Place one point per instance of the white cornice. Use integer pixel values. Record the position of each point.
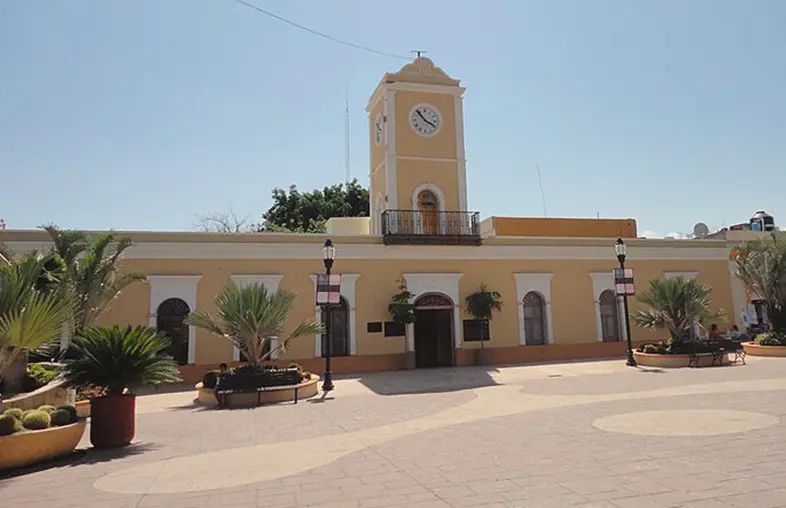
(212, 250)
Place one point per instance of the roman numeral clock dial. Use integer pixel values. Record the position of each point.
(425, 120)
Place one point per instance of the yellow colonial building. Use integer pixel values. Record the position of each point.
(554, 275)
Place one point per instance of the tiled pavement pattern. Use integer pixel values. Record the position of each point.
(514, 437)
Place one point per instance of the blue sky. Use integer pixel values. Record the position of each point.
(140, 114)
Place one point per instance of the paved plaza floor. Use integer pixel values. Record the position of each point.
(592, 434)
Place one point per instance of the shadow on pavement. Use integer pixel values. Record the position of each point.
(82, 457)
(441, 380)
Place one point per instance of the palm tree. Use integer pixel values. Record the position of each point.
(676, 305)
(116, 358)
(251, 317)
(93, 273)
(761, 266)
(33, 306)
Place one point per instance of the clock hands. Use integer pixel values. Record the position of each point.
(424, 118)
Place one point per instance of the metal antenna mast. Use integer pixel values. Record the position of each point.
(347, 175)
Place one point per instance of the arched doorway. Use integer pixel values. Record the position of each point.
(609, 317)
(428, 210)
(434, 331)
(170, 319)
(339, 328)
(534, 319)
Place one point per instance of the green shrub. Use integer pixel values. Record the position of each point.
(60, 417)
(37, 376)
(47, 408)
(769, 339)
(36, 420)
(650, 349)
(8, 424)
(15, 412)
(71, 410)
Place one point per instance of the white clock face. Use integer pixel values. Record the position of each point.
(425, 120)
(378, 129)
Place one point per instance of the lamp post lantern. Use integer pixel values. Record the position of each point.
(328, 255)
(624, 286)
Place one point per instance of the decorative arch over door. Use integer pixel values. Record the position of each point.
(609, 317)
(433, 301)
(534, 319)
(170, 319)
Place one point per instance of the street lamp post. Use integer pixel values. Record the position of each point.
(328, 255)
(620, 249)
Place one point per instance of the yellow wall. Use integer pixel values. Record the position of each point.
(412, 173)
(572, 295)
(565, 228)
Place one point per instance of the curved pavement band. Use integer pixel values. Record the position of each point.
(591, 434)
(198, 472)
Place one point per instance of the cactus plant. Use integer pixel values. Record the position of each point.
(60, 417)
(47, 408)
(36, 420)
(8, 425)
(71, 412)
(15, 412)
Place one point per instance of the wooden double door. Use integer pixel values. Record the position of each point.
(434, 338)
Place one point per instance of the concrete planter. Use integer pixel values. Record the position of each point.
(52, 394)
(668, 361)
(754, 349)
(30, 447)
(306, 389)
(82, 408)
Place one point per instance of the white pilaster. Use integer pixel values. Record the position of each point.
(391, 161)
(184, 287)
(461, 161)
(541, 284)
(270, 282)
(738, 299)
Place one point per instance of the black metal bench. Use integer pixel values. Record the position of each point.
(256, 382)
(717, 357)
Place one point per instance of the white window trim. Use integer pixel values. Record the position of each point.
(348, 283)
(440, 201)
(603, 281)
(445, 283)
(270, 281)
(540, 283)
(184, 287)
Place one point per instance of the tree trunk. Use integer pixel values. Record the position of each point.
(14, 378)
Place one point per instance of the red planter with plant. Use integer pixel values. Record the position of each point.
(111, 362)
(112, 420)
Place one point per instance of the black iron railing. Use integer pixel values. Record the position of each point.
(412, 226)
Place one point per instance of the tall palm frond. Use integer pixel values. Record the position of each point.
(30, 318)
(761, 266)
(675, 305)
(250, 316)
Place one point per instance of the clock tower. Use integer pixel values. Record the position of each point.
(418, 170)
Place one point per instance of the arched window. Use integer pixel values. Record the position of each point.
(170, 319)
(609, 316)
(534, 319)
(433, 300)
(428, 208)
(339, 328)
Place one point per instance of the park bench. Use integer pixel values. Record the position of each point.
(717, 357)
(728, 346)
(256, 382)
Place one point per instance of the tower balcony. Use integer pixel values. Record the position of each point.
(430, 227)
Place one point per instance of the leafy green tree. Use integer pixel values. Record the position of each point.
(675, 305)
(308, 212)
(250, 317)
(761, 266)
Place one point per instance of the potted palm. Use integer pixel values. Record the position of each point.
(481, 305)
(761, 266)
(113, 361)
(402, 312)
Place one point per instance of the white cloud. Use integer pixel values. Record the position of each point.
(650, 234)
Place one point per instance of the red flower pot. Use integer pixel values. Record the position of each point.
(112, 420)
